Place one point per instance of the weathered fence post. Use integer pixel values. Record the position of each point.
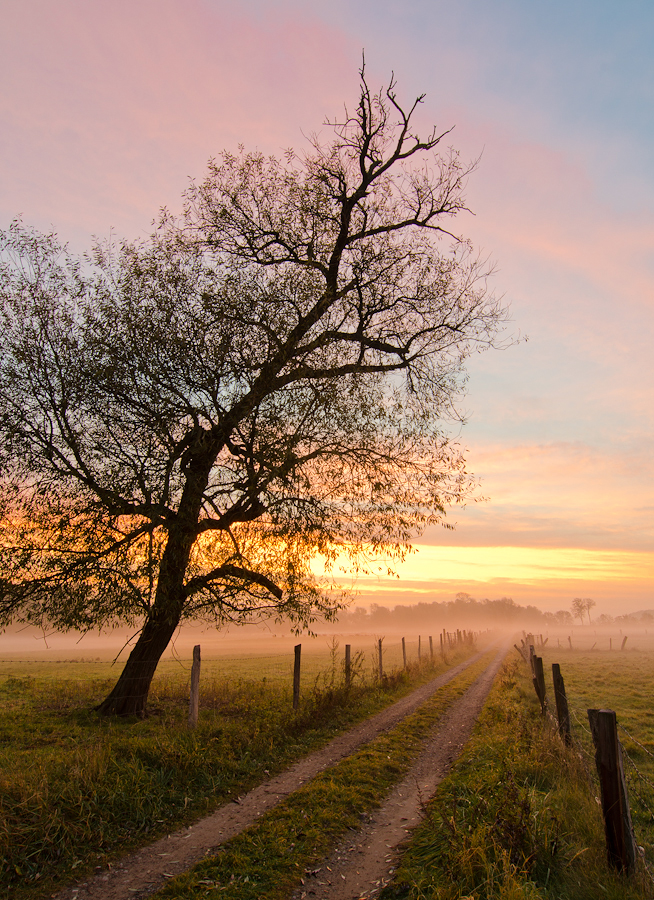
(296, 676)
(431, 648)
(404, 653)
(562, 712)
(624, 641)
(348, 667)
(620, 844)
(381, 663)
(419, 648)
(539, 680)
(194, 699)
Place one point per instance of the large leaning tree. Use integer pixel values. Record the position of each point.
(187, 421)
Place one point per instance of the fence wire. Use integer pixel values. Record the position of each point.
(634, 776)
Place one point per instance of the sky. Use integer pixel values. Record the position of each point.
(107, 110)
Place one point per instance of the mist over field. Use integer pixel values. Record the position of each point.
(363, 625)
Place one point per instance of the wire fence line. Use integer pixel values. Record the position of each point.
(640, 784)
(323, 664)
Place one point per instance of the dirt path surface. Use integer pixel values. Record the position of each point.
(147, 870)
(364, 862)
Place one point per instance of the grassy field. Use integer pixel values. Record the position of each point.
(517, 817)
(624, 682)
(77, 790)
(266, 660)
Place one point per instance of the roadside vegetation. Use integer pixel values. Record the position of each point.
(267, 860)
(621, 681)
(516, 818)
(78, 789)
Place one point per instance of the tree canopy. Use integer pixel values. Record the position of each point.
(188, 420)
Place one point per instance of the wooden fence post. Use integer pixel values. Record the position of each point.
(419, 648)
(348, 667)
(539, 680)
(620, 844)
(381, 663)
(404, 652)
(431, 648)
(562, 712)
(296, 676)
(194, 699)
(624, 641)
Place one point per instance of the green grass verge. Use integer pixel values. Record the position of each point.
(622, 681)
(77, 790)
(268, 860)
(515, 819)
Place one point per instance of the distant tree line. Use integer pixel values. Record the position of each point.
(465, 611)
(460, 611)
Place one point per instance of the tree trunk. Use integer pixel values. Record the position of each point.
(129, 696)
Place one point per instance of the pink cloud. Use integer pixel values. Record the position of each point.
(538, 204)
(558, 494)
(109, 108)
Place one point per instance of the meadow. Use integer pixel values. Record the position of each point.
(517, 817)
(621, 680)
(77, 790)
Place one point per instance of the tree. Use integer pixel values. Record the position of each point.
(578, 608)
(563, 617)
(581, 607)
(187, 421)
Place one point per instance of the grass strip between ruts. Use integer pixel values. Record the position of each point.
(268, 860)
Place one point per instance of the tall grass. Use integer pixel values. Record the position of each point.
(76, 790)
(624, 682)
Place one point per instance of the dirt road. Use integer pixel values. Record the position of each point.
(362, 865)
(145, 871)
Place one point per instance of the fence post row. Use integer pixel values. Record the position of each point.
(562, 712)
(620, 844)
(194, 699)
(618, 828)
(296, 676)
